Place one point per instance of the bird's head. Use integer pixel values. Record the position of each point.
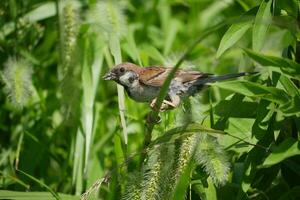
(125, 74)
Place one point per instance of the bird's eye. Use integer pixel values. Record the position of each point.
(122, 70)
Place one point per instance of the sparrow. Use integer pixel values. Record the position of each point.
(142, 84)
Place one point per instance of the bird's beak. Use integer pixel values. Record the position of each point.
(110, 76)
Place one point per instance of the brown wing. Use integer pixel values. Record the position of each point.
(187, 76)
(155, 75)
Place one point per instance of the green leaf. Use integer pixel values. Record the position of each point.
(118, 149)
(288, 148)
(238, 128)
(253, 158)
(261, 25)
(289, 86)
(292, 107)
(114, 46)
(53, 193)
(243, 109)
(210, 190)
(78, 152)
(232, 35)
(255, 90)
(87, 117)
(286, 66)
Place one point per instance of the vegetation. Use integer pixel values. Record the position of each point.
(67, 134)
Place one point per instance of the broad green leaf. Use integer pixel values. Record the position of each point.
(232, 35)
(288, 148)
(254, 90)
(261, 25)
(239, 135)
(264, 114)
(292, 107)
(287, 66)
(243, 109)
(289, 86)
(15, 195)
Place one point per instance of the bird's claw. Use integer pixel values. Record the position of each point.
(166, 105)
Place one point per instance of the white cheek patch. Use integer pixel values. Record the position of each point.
(124, 79)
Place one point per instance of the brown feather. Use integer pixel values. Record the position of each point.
(155, 76)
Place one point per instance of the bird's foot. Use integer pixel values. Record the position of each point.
(166, 105)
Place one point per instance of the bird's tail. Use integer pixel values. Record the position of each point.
(201, 82)
(228, 76)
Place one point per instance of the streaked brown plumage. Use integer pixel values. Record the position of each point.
(143, 84)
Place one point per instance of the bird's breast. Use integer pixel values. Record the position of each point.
(142, 93)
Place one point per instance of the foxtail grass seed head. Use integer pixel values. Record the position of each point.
(18, 83)
(69, 30)
(152, 175)
(107, 17)
(213, 157)
(133, 189)
(183, 153)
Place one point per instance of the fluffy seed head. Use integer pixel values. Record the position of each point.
(108, 18)
(213, 158)
(69, 29)
(17, 79)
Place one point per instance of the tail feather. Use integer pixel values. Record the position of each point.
(201, 82)
(228, 76)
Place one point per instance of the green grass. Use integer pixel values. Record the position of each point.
(66, 133)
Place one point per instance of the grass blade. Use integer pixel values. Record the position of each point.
(15, 195)
(55, 195)
(114, 45)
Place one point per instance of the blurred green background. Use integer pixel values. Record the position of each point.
(65, 132)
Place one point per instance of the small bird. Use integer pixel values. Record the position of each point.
(142, 84)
